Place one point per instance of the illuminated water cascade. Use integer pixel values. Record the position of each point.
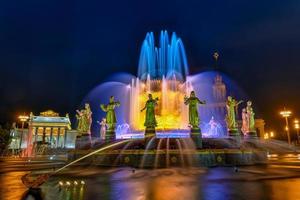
(162, 71)
(166, 60)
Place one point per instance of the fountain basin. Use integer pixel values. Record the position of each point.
(171, 158)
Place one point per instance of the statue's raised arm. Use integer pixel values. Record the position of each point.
(186, 100)
(117, 103)
(103, 107)
(201, 102)
(239, 102)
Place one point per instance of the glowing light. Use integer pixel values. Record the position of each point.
(266, 136)
(167, 59)
(271, 134)
(68, 183)
(23, 118)
(173, 134)
(285, 113)
(171, 113)
(296, 123)
(82, 182)
(60, 183)
(162, 71)
(75, 183)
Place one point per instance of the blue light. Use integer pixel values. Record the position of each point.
(166, 60)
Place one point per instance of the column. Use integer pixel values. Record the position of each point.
(51, 135)
(58, 135)
(65, 140)
(35, 139)
(33, 135)
(36, 134)
(44, 135)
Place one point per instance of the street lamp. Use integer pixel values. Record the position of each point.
(266, 136)
(23, 118)
(297, 127)
(272, 134)
(286, 114)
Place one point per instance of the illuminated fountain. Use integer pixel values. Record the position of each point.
(162, 71)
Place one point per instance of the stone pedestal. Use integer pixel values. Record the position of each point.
(110, 136)
(83, 141)
(251, 135)
(235, 134)
(150, 131)
(78, 142)
(197, 137)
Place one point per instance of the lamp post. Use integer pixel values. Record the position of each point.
(266, 136)
(286, 114)
(297, 127)
(23, 119)
(272, 134)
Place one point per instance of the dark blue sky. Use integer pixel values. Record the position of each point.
(54, 52)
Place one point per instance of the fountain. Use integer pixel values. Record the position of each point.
(175, 142)
(163, 72)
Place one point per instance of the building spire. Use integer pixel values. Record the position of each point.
(216, 57)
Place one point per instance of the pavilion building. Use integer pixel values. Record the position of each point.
(47, 129)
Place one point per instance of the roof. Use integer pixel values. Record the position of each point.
(50, 118)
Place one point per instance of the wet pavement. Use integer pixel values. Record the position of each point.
(280, 179)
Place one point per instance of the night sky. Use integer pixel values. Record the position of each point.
(53, 52)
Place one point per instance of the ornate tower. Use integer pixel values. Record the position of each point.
(219, 89)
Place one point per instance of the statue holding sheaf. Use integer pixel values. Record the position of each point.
(231, 107)
(84, 118)
(111, 119)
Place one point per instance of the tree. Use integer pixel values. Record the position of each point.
(4, 137)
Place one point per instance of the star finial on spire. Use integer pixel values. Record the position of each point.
(216, 56)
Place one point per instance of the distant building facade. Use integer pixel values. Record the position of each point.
(47, 128)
